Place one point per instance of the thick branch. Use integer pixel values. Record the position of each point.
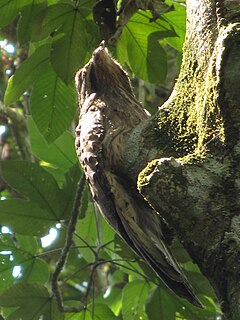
(195, 183)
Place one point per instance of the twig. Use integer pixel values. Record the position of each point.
(65, 251)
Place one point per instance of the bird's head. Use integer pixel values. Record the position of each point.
(102, 75)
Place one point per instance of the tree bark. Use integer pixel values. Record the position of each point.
(193, 178)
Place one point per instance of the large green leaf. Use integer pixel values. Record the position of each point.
(69, 188)
(32, 269)
(134, 297)
(25, 217)
(98, 311)
(49, 20)
(60, 153)
(35, 183)
(53, 104)
(113, 298)
(87, 229)
(140, 48)
(71, 45)
(70, 41)
(28, 16)
(177, 19)
(33, 301)
(26, 74)
(160, 305)
(27, 243)
(9, 9)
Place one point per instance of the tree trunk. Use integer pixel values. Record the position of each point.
(195, 182)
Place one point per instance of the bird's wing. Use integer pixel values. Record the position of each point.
(142, 226)
(122, 205)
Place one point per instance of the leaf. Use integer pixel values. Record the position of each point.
(133, 300)
(60, 153)
(98, 311)
(69, 189)
(177, 19)
(87, 229)
(53, 105)
(25, 217)
(35, 183)
(33, 269)
(139, 46)
(113, 299)
(33, 301)
(6, 262)
(28, 16)
(50, 20)
(9, 9)
(26, 74)
(69, 50)
(27, 243)
(160, 305)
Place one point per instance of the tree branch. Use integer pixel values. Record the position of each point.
(65, 251)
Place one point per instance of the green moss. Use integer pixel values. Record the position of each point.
(143, 175)
(193, 116)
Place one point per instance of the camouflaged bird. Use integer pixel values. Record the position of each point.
(108, 113)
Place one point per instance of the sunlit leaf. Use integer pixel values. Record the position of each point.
(60, 153)
(177, 19)
(97, 311)
(53, 104)
(70, 49)
(25, 217)
(133, 300)
(140, 48)
(159, 305)
(26, 74)
(32, 268)
(35, 183)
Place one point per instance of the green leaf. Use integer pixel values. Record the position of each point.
(6, 262)
(133, 300)
(21, 293)
(177, 19)
(69, 189)
(26, 74)
(87, 229)
(27, 243)
(9, 9)
(139, 47)
(113, 299)
(33, 300)
(50, 20)
(35, 183)
(25, 217)
(70, 48)
(160, 305)
(28, 16)
(33, 269)
(60, 153)
(98, 311)
(53, 105)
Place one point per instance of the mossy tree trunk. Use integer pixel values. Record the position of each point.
(195, 182)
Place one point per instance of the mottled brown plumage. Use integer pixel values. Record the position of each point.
(108, 113)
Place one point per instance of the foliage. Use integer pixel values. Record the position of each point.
(40, 170)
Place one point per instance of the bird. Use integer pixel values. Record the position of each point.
(108, 113)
